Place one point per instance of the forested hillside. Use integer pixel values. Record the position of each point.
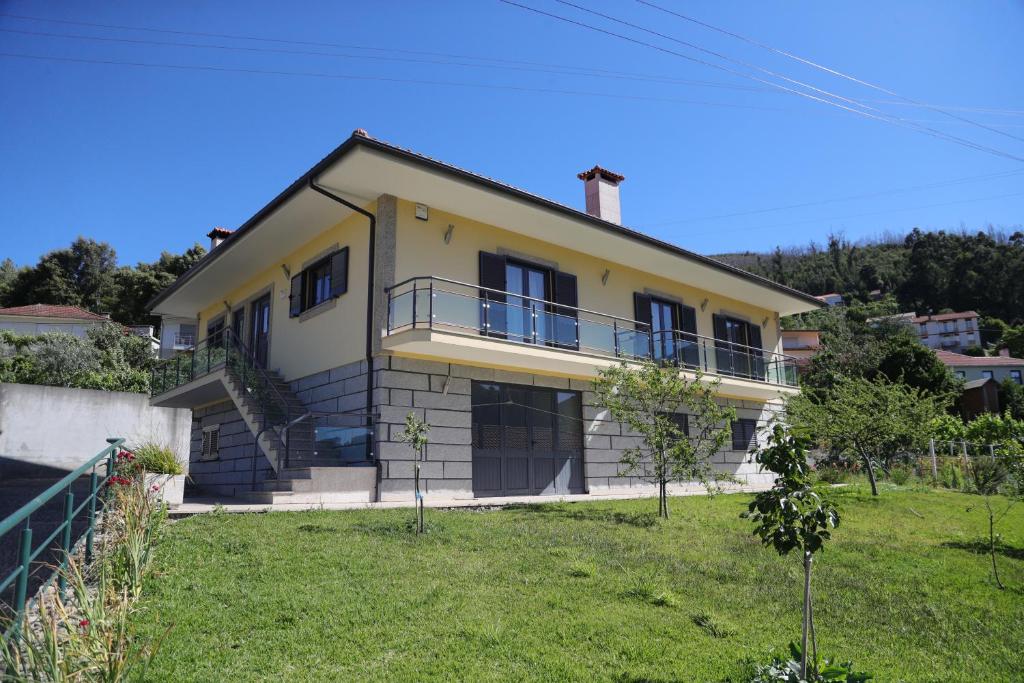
(926, 272)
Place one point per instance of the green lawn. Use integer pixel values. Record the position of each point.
(587, 591)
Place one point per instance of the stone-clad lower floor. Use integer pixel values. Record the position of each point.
(482, 440)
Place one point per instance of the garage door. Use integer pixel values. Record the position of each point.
(526, 440)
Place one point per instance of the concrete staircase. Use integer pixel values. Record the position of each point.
(310, 475)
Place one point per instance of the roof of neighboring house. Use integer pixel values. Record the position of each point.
(51, 311)
(977, 383)
(939, 317)
(360, 137)
(960, 360)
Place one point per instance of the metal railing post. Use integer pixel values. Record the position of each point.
(414, 305)
(430, 306)
(615, 338)
(93, 490)
(65, 539)
(24, 555)
(935, 462)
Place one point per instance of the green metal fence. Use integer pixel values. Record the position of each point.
(29, 551)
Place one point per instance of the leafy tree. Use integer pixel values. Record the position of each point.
(999, 481)
(648, 398)
(793, 515)
(1013, 340)
(871, 420)
(415, 434)
(1011, 398)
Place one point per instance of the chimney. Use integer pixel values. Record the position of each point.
(1005, 353)
(218, 235)
(602, 189)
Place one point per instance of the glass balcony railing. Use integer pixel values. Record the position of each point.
(447, 305)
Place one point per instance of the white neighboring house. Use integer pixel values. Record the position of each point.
(176, 334)
(949, 331)
(42, 318)
(971, 368)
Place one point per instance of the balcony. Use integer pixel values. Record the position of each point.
(184, 341)
(433, 317)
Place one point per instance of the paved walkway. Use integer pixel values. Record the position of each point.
(198, 505)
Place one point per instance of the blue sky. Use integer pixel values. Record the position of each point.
(151, 158)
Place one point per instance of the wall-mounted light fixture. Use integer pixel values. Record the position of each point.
(764, 323)
(604, 276)
(448, 233)
(227, 306)
(422, 212)
(286, 270)
(704, 304)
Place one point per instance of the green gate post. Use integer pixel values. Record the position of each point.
(93, 491)
(21, 590)
(65, 541)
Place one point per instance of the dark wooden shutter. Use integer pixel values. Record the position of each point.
(493, 313)
(757, 369)
(339, 272)
(567, 298)
(642, 343)
(295, 299)
(723, 349)
(690, 348)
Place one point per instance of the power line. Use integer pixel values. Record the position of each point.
(869, 195)
(884, 118)
(356, 77)
(879, 213)
(570, 71)
(826, 69)
(583, 70)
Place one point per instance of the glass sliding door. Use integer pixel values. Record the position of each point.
(527, 318)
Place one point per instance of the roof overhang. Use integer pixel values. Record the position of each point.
(362, 169)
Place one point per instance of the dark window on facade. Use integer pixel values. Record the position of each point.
(738, 349)
(987, 374)
(324, 280)
(215, 331)
(743, 432)
(211, 442)
(681, 420)
(668, 331)
(1015, 376)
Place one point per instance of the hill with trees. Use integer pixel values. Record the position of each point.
(926, 272)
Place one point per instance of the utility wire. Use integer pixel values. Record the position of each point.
(869, 195)
(883, 117)
(237, 48)
(583, 70)
(828, 70)
(355, 77)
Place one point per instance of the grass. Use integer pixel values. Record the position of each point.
(581, 592)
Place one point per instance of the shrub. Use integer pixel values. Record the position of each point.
(155, 458)
(951, 476)
(787, 670)
(832, 475)
(900, 474)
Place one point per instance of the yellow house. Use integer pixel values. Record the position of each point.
(384, 282)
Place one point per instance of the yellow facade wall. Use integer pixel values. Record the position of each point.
(327, 340)
(421, 250)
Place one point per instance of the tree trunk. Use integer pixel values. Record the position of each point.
(662, 499)
(871, 475)
(992, 545)
(419, 502)
(807, 615)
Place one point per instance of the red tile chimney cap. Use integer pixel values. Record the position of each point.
(603, 172)
(219, 232)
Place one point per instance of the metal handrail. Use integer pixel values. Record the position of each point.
(622, 338)
(26, 554)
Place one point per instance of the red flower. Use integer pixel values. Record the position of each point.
(83, 623)
(155, 488)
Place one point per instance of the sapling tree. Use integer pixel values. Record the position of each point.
(998, 479)
(415, 434)
(873, 420)
(793, 515)
(681, 425)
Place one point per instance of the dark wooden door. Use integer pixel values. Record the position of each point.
(260, 338)
(526, 440)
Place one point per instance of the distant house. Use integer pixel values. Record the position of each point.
(41, 318)
(801, 345)
(970, 368)
(949, 331)
(831, 299)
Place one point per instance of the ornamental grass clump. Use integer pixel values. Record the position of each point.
(155, 458)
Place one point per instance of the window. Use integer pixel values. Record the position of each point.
(682, 421)
(738, 349)
(743, 432)
(960, 374)
(322, 281)
(211, 442)
(987, 374)
(215, 331)
(1015, 376)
